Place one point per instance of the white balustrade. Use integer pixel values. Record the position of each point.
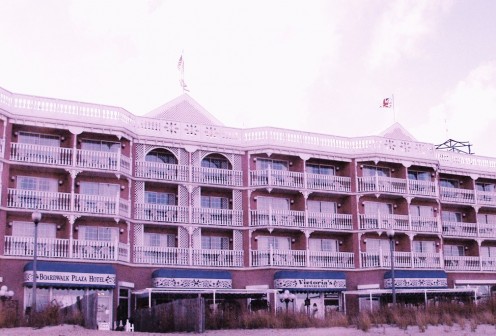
(46, 247)
(40, 154)
(382, 184)
(459, 229)
(217, 258)
(486, 197)
(487, 230)
(223, 217)
(273, 257)
(426, 260)
(159, 255)
(98, 160)
(161, 171)
(401, 259)
(161, 213)
(276, 178)
(41, 200)
(457, 195)
(422, 188)
(277, 218)
(95, 249)
(461, 263)
(334, 221)
(331, 259)
(384, 221)
(97, 204)
(217, 176)
(424, 224)
(328, 182)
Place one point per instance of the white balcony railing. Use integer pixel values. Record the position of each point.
(277, 218)
(424, 224)
(95, 250)
(161, 213)
(487, 230)
(158, 255)
(426, 260)
(162, 171)
(422, 188)
(384, 221)
(276, 178)
(457, 195)
(401, 259)
(328, 182)
(41, 200)
(40, 154)
(331, 259)
(223, 217)
(488, 263)
(322, 220)
(104, 205)
(217, 258)
(217, 176)
(459, 229)
(103, 160)
(462, 263)
(284, 258)
(382, 184)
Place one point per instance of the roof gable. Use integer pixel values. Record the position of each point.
(396, 131)
(184, 109)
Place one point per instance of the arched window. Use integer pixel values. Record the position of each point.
(215, 161)
(161, 156)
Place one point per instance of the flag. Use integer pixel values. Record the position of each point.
(180, 64)
(180, 67)
(387, 103)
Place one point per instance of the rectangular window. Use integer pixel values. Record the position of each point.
(215, 243)
(327, 245)
(421, 246)
(277, 243)
(419, 175)
(219, 163)
(379, 171)
(421, 211)
(152, 197)
(263, 164)
(486, 219)
(448, 183)
(488, 187)
(450, 216)
(454, 250)
(156, 239)
(215, 202)
(100, 146)
(376, 245)
(38, 139)
(488, 251)
(36, 183)
(374, 208)
(274, 203)
(322, 206)
(98, 233)
(313, 168)
(26, 229)
(100, 189)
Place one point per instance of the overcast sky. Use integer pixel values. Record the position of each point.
(318, 66)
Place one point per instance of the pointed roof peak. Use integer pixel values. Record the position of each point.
(396, 131)
(184, 109)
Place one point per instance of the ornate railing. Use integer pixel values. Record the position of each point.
(216, 176)
(223, 217)
(277, 218)
(161, 171)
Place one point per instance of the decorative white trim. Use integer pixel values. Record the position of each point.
(191, 283)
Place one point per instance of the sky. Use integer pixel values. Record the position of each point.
(317, 66)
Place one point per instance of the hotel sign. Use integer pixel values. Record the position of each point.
(310, 283)
(70, 278)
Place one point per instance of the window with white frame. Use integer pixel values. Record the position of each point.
(277, 243)
(159, 239)
(376, 171)
(375, 208)
(377, 245)
(274, 203)
(98, 233)
(161, 156)
(487, 187)
(153, 197)
(26, 229)
(100, 146)
(454, 250)
(38, 139)
(214, 202)
(449, 183)
(215, 243)
(263, 164)
(215, 162)
(313, 168)
(36, 183)
(419, 175)
(421, 210)
(321, 206)
(486, 218)
(100, 189)
(422, 246)
(488, 251)
(324, 245)
(451, 216)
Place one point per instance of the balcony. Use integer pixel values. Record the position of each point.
(333, 221)
(424, 224)
(222, 217)
(462, 263)
(31, 153)
(287, 218)
(62, 248)
(331, 259)
(486, 230)
(401, 259)
(158, 255)
(224, 177)
(382, 184)
(276, 178)
(488, 263)
(457, 195)
(380, 221)
(459, 229)
(328, 182)
(422, 188)
(161, 213)
(162, 171)
(41, 200)
(217, 258)
(102, 205)
(283, 258)
(110, 161)
(486, 197)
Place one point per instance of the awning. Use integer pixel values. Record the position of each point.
(70, 275)
(308, 281)
(415, 279)
(191, 279)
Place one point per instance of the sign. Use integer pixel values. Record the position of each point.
(70, 279)
(192, 283)
(310, 283)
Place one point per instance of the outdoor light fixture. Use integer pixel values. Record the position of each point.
(36, 217)
(5, 293)
(287, 297)
(390, 234)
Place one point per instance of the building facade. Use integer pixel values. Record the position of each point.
(174, 201)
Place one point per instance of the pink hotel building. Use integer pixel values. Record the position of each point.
(173, 202)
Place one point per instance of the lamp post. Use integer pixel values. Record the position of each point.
(5, 293)
(287, 297)
(390, 234)
(36, 217)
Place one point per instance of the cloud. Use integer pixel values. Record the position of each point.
(467, 112)
(402, 28)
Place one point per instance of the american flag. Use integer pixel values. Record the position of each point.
(387, 103)
(180, 64)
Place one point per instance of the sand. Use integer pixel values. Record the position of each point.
(69, 330)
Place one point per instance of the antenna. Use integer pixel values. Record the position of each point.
(451, 145)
